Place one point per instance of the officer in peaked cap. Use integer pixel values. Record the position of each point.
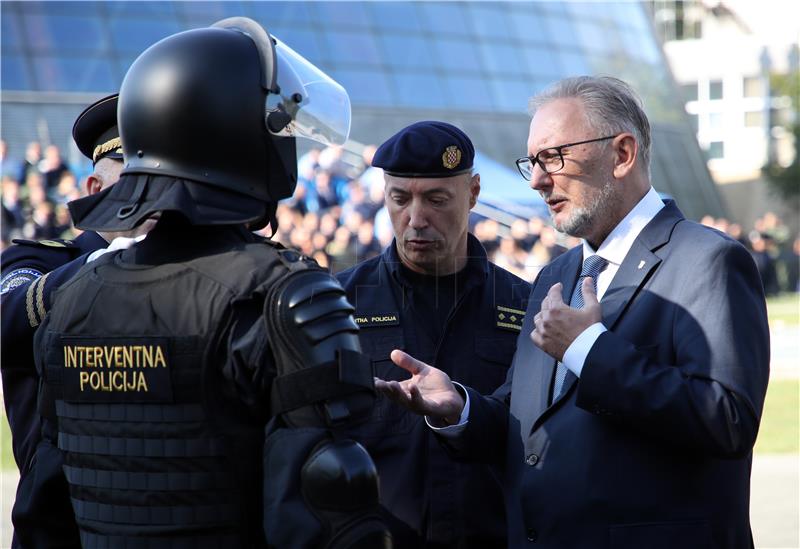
(199, 379)
(434, 294)
(31, 270)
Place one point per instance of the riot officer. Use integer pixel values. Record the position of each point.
(433, 293)
(31, 270)
(200, 379)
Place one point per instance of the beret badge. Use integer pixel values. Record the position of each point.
(451, 157)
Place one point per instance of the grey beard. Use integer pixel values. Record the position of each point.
(582, 219)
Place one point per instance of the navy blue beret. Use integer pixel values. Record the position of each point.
(426, 149)
(95, 131)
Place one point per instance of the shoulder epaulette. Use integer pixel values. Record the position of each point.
(53, 243)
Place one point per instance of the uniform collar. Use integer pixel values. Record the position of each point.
(477, 267)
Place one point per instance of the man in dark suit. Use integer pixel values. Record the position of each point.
(627, 422)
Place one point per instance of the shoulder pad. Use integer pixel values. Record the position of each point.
(54, 243)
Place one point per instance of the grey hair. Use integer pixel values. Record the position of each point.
(612, 106)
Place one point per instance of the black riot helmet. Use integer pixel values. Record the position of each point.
(208, 120)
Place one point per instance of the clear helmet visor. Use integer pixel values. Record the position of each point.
(318, 105)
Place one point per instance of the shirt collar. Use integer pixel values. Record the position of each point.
(617, 244)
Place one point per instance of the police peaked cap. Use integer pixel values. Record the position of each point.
(426, 149)
(95, 131)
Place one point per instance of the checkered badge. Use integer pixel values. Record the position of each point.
(451, 157)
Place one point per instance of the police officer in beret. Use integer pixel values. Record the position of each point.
(433, 293)
(31, 270)
(199, 380)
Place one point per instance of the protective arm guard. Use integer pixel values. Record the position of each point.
(323, 379)
(320, 490)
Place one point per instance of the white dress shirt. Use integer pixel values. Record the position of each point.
(613, 249)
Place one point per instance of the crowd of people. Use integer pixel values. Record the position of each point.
(337, 217)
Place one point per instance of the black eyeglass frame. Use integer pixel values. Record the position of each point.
(535, 159)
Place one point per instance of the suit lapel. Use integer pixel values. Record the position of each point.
(541, 367)
(640, 262)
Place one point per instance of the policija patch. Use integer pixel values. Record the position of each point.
(116, 370)
(380, 319)
(509, 319)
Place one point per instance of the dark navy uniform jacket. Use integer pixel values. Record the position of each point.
(30, 272)
(434, 501)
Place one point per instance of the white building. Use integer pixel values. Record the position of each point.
(721, 54)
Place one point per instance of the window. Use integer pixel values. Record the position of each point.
(348, 47)
(419, 89)
(136, 35)
(14, 73)
(404, 50)
(488, 20)
(715, 89)
(365, 87)
(458, 55)
(716, 149)
(501, 58)
(444, 17)
(753, 86)
(340, 13)
(59, 34)
(689, 91)
(754, 119)
(469, 93)
(715, 120)
(395, 15)
(79, 74)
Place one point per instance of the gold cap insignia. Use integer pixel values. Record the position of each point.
(451, 157)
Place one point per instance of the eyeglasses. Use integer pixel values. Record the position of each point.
(550, 160)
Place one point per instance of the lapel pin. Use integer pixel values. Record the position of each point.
(641, 264)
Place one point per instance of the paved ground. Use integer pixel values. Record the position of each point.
(775, 501)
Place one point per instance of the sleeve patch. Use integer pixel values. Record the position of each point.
(17, 277)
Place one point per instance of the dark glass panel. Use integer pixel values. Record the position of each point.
(64, 33)
(396, 16)
(341, 47)
(468, 93)
(341, 14)
(489, 20)
(403, 50)
(15, 74)
(511, 95)
(136, 35)
(11, 39)
(457, 55)
(502, 58)
(76, 74)
(141, 9)
(444, 17)
(419, 90)
(365, 87)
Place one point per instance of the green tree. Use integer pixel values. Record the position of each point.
(785, 182)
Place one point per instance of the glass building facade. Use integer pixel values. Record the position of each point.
(474, 64)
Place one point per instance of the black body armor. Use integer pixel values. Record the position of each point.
(161, 450)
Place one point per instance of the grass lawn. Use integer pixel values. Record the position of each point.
(784, 309)
(6, 456)
(780, 422)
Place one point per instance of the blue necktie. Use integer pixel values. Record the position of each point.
(592, 266)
